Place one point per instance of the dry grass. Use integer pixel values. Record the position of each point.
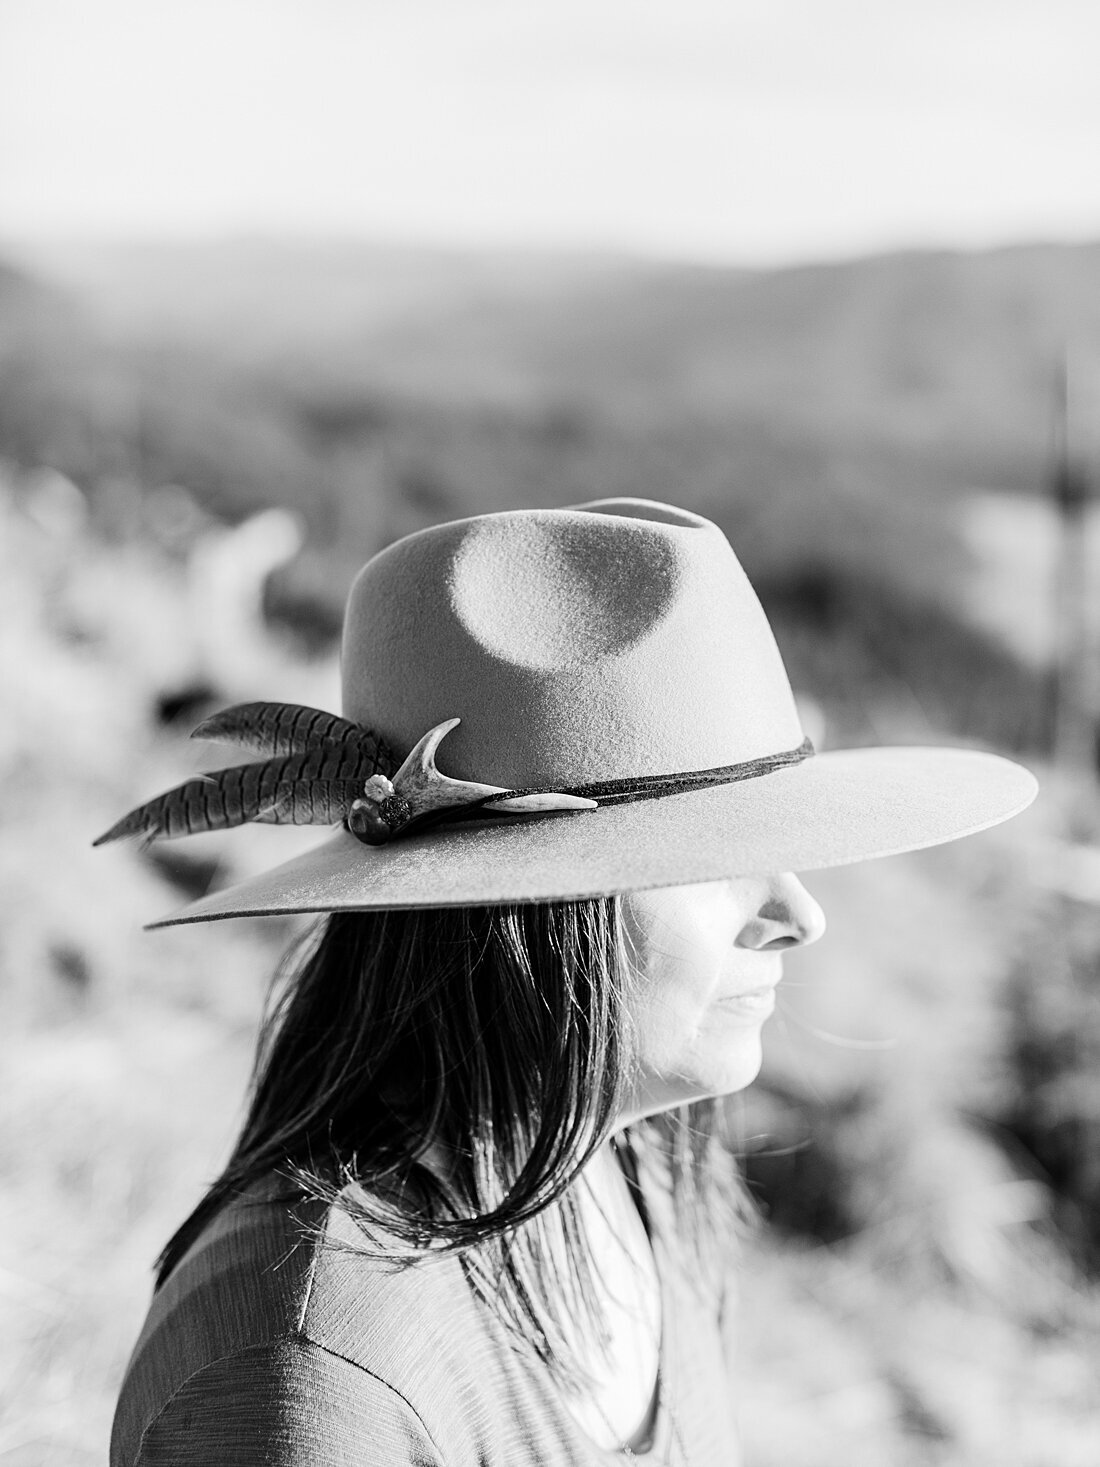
(847, 1360)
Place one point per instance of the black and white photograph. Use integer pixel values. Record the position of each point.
(549, 733)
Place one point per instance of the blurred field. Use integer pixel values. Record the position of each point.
(925, 1137)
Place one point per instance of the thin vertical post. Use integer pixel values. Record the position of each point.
(1074, 696)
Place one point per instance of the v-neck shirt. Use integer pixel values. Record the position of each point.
(279, 1341)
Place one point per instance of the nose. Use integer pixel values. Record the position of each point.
(788, 916)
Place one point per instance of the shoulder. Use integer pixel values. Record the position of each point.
(279, 1309)
(286, 1403)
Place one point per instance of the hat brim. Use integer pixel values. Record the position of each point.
(833, 809)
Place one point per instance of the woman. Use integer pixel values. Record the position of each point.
(478, 1212)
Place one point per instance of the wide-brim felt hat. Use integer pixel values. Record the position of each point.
(617, 651)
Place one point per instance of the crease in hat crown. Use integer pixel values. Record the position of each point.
(611, 640)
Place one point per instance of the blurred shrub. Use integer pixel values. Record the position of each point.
(1050, 1104)
(886, 664)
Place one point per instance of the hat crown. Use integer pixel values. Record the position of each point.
(614, 639)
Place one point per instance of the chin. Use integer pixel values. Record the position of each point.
(726, 1064)
(707, 1078)
(735, 1074)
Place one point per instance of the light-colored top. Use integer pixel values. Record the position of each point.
(277, 1341)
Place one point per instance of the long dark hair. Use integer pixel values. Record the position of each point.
(494, 1039)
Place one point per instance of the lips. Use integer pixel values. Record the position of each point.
(751, 1006)
(760, 991)
(763, 987)
(755, 1002)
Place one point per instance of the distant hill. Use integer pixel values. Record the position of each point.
(255, 295)
(31, 305)
(941, 355)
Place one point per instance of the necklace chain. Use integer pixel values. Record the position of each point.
(627, 1452)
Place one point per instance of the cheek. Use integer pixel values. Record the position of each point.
(670, 1013)
(687, 1044)
(688, 1041)
(706, 1049)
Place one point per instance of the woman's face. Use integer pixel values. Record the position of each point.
(707, 959)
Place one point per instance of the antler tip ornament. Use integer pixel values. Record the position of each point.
(419, 791)
(538, 804)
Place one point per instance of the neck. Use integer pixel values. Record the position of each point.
(622, 1366)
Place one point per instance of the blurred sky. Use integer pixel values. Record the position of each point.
(754, 130)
